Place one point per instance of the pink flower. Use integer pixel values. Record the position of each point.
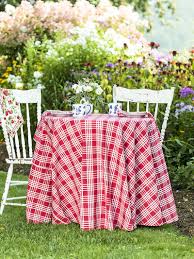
(51, 17)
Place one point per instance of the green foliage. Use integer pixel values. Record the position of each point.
(179, 150)
(62, 63)
(69, 64)
(183, 176)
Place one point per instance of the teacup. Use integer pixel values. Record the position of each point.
(80, 110)
(114, 108)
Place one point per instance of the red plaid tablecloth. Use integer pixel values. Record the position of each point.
(101, 172)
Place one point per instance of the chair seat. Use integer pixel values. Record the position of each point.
(27, 161)
(14, 183)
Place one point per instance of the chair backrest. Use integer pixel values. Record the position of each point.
(16, 146)
(146, 96)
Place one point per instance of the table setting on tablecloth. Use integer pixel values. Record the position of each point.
(100, 171)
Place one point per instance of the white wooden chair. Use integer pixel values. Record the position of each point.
(19, 147)
(147, 97)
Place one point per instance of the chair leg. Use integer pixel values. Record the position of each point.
(6, 190)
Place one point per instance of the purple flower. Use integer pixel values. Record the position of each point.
(110, 65)
(95, 72)
(187, 107)
(180, 104)
(184, 92)
(183, 108)
(129, 77)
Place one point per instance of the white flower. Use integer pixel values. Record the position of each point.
(61, 58)
(37, 74)
(79, 89)
(79, 41)
(14, 79)
(11, 79)
(9, 9)
(37, 43)
(51, 53)
(139, 60)
(19, 85)
(40, 86)
(99, 91)
(87, 88)
(74, 86)
(18, 79)
(23, 29)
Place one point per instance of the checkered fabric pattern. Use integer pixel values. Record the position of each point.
(101, 172)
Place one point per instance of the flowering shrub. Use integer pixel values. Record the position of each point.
(187, 98)
(21, 23)
(182, 107)
(17, 76)
(179, 145)
(146, 7)
(16, 81)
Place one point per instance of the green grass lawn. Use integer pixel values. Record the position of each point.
(21, 240)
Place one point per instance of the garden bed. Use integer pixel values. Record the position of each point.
(185, 209)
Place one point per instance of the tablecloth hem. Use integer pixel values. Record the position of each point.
(130, 228)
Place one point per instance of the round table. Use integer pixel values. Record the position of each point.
(99, 171)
